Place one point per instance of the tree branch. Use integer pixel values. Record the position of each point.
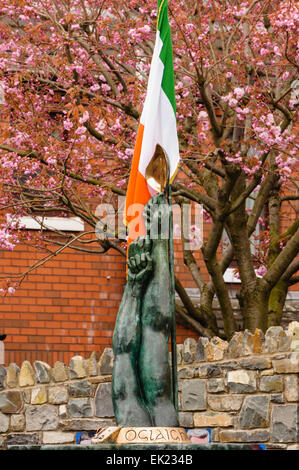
(283, 260)
(180, 190)
(70, 174)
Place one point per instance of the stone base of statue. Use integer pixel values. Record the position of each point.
(140, 435)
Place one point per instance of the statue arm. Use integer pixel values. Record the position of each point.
(126, 336)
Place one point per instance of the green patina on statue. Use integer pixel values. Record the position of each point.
(141, 380)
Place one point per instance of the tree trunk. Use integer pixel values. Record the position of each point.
(253, 302)
(276, 302)
(222, 293)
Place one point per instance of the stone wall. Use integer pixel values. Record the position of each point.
(244, 391)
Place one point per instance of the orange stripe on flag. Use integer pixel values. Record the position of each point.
(137, 193)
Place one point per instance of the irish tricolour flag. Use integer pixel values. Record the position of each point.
(157, 124)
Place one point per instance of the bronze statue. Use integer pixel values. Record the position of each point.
(141, 380)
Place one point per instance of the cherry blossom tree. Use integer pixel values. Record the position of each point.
(74, 74)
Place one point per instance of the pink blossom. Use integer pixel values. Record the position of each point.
(80, 130)
(105, 87)
(187, 79)
(202, 115)
(100, 126)
(52, 182)
(264, 51)
(67, 124)
(189, 27)
(84, 118)
(276, 50)
(134, 34)
(145, 29)
(239, 93)
(233, 102)
(261, 271)
(95, 87)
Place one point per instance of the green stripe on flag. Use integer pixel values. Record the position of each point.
(166, 52)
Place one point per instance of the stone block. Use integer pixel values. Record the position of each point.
(276, 446)
(292, 326)
(105, 364)
(62, 411)
(39, 395)
(26, 394)
(92, 365)
(293, 332)
(212, 419)
(42, 372)
(11, 402)
(235, 346)
(201, 350)
(272, 383)
(276, 339)
(284, 423)
(85, 424)
(4, 422)
(79, 408)
(194, 395)
(291, 391)
(60, 372)
(41, 418)
(241, 381)
(103, 401)
(12, 375)
(229, 365)
(26, 375)
(255, 412)
(186, 372)
(293, 447)
(17, 422)
(287, 365)
(216, 349)
(295, 340)
(189, 348)
(267, 372)
(82, 388)
(276, 398)
(209, 370)
(232, 435)
(225, 402)
(2, 376)
(186, 420)
(255, 363)
(25, 439)
(215, 435)
(216, 385)
(77, 367)
(58, 437)
(57, 395)
(179, 354)
(253, 342)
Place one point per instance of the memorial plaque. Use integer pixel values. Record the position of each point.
(151, 435)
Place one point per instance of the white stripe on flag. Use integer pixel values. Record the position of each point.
(158, 117)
